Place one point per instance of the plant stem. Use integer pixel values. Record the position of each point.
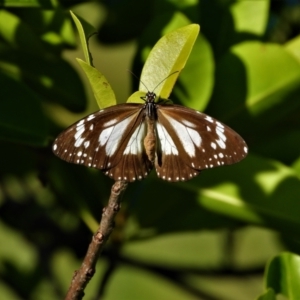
(82, 276)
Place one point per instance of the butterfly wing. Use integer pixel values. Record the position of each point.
(190, 141)
(110, 140)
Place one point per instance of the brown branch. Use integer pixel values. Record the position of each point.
(82, 276)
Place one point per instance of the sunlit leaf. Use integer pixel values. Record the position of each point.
(250, 16)
(168, 55)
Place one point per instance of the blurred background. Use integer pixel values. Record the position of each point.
(212, 238)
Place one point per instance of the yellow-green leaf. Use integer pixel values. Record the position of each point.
(103, 92)
(168, 55)
(85, 30)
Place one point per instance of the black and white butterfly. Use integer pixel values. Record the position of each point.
(125, 141)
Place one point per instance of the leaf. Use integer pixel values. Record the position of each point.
(195, 84)
(103, 92)
(146, 286)
(168, 55)
(283, 275)
(253, 191)
(46, 4)
(18, 34)
(165, 250)
(250, 16)
(180, 210)
(258, 81)
(53, 26)
(234, 22)
(47, 76)
(85, 30)
(268, 295)
(21, 117)
(293, 46)
(136, 97)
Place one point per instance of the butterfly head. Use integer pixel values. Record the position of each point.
(149, 98)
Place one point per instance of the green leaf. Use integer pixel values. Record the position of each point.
(195, 84)
(103, 92)
(234, 22)
(268, 295)
(250, 16)
(180, 209)
(253, 191)
(165, 250)
(296, 166)
(47, 4)
(258, 81)
(18, 34)
(54, 27)
(283, 275)
(85, 30)
(21, 117)
(46, 75)
(168, 55)
(146, 286)
(293, 46)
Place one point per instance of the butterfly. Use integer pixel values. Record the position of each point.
(127, 140)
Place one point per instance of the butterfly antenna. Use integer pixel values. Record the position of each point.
(164, 80)
(157, 84)
(138, 79)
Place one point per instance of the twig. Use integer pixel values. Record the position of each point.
(82, 276)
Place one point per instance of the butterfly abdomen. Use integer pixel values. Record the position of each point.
(150, 139)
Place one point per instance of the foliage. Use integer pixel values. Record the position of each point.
(160, 247)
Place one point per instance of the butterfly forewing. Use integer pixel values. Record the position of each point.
(190, 141)
(110, 140)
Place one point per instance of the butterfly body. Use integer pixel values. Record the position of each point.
(126, 141)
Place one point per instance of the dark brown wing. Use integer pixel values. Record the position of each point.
(190, 141)
(110, 140)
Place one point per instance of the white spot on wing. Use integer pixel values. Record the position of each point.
(220, 125)
(188, 123)
(80, 131)
(221, 144)
(54, 147)
(209, 119)
(196, 138)
(90, 117)
(78, 142)
(80, 123)
(110, 123)
(104, 135)
(187, 136)
(135, 143)
(167, 144)
(220, 134)
(112, 136)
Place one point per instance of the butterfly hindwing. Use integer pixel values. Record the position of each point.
(110, 140)
(190, 141)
